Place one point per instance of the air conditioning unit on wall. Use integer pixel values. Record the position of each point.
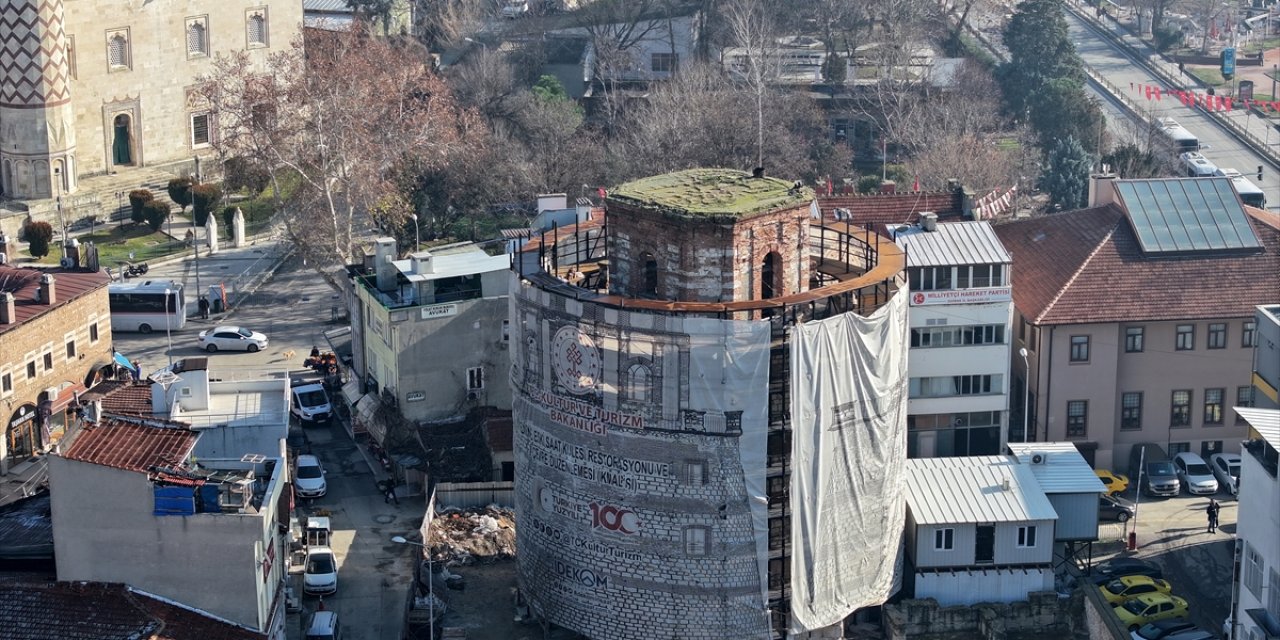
(1039, 457)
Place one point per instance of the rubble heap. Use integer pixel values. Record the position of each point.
(463, 536)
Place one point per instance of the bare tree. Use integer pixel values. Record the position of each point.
(445, 23)
(614, 28)
(961, 134)
(701, 118)
(751, 26)
(335, 120)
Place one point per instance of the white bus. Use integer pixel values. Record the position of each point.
(1249, 192)
(1198, 166)
(150, 305)
(1182, 139)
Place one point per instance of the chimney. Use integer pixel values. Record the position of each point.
(1101, 193)
(8, 315)
(888, 186)
(384, 253)
(422, 262)
(48, 292)
(929, 221)
(71, 248)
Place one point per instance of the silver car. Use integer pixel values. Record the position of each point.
(1226, 467)
(1195, 474)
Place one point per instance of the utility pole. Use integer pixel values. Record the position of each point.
(195, 233)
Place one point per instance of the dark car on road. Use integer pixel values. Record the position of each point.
(1114, 508)
(1117, 567)
(1162, 629)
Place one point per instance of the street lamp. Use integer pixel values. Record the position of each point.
(168, 331)
(195, 231)
(1026, 393)
(417, 235)
(431, 578)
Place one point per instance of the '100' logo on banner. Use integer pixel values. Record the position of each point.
(611, 518)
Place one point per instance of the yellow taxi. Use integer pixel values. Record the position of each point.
(1149, 608)
(1127, 587)
(1114, 482)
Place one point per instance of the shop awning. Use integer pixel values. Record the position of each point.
(123, 361)
(351, 391)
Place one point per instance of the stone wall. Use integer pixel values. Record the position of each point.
(1043, 613)
(50, 333)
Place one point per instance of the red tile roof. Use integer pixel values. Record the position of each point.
(122, 396)
(132, 446)
(1087, 266)
(103, 611)
(880, 209)
(23, 282)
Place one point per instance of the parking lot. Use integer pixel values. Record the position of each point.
(1173, 532)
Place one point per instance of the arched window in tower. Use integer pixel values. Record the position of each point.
(257, 30)
(649, 286)
(118, 51)
(639, 383)
(197, 39)
(771, 276)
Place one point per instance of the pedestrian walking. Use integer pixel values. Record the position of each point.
(136, 372)
(389, 493)
(204, 308)
(1212, 511)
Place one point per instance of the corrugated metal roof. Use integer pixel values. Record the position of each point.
(451, 265)
(971, 489)
(1265, 421)
(339, 6)
(954, 243)
(1064, 469)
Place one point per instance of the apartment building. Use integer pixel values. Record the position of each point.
(1138, 315)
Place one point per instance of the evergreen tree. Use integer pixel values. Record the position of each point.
(1044, 80)
(1066, 174)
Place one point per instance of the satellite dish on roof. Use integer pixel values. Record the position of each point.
(164, 378)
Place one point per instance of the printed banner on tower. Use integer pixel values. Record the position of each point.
(849, 419)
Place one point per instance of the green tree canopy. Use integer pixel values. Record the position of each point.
(155, 212)
(138, 198)
(548, 87)
(1066, 174)
(39, 234)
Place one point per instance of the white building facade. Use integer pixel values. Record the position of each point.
(961, 310)
(1257, 588)
(130, 505)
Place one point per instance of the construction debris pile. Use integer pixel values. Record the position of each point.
(463, 536)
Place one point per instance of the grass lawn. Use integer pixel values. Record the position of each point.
(116, 242)
(1208, 75)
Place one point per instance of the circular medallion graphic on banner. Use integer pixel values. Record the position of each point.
(576, 360)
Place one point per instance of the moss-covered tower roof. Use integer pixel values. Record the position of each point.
(712, 193)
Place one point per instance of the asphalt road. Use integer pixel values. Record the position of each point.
(1220, 147)
(294, 309)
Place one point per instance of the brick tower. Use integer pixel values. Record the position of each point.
(709, 395)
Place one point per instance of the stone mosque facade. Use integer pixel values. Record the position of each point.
(102, 87)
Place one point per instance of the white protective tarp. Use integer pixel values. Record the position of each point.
(849, 419)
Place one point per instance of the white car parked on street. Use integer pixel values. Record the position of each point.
(231, 339)
(1195, 474)
(320, 577)
(308, 478)
(1226, 467)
